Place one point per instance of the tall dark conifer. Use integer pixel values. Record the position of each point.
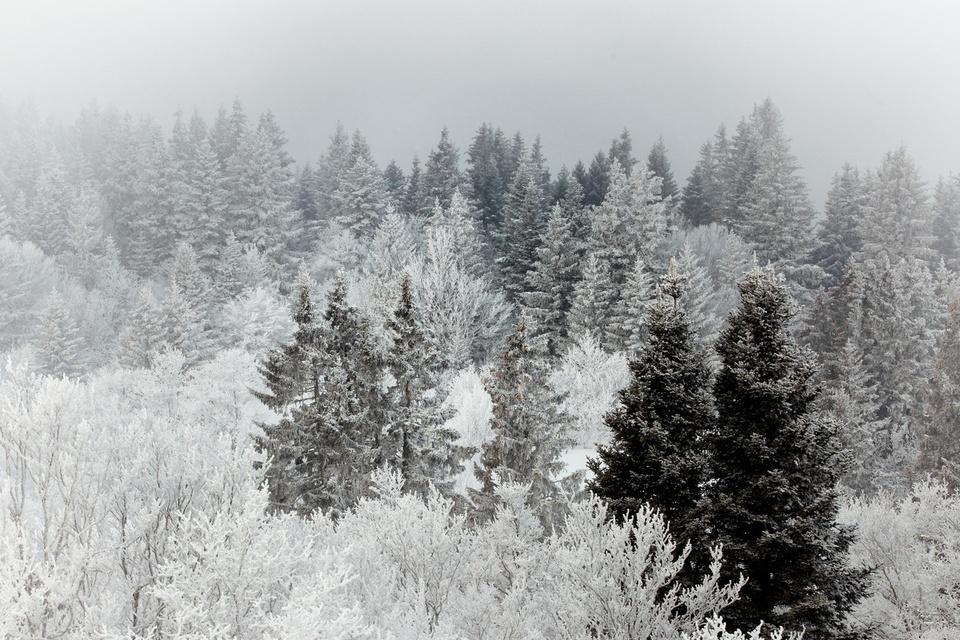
(657, 454)
(773, 501)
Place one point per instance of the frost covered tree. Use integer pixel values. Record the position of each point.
(58, 343)
(896, 214)
(361, 197)
(326, 386)
(419, 447)
(593, 299)
(203, 212)
(839, 237)
(441, 174)
(658, 452)
(659, 165)
(773, 502)
(521, 231)
(551, 281)
(946, 221)
(528, 433)
(143, 336)
(937, 429)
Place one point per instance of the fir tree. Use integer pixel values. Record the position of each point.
(421, 448)
(528, 434)
(58, 343)
(773, 502)
(143, 336)
(441, 176)
(593, 299)
(659, 165)
(484, 180)
(946, 221)
(657, 453)
(839, 237)
(551, 282)
(700, 203)
(597, 180)
(938, 429)
(522, 231)
(628, 321)
(413, 196)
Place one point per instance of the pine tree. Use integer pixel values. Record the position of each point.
(839, 237)
(143, 336)
(441, 176)
(657, 453)
(659, 165)
(896, 216)
(773, 501)
(522, 231)
(361, 198)
(484, 181)
(593, 299)
(597, 180)
(551, 282)
(702, 196)
(420, 447)
(628, 321)
(528, 434)
(938, 429)
(946, 221)
(413, 195)
(330, 170)
(395, 182)
(58, 343)
(621, 150)
(326, 386)
(204, 209)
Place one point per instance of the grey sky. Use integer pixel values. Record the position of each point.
(853, 78)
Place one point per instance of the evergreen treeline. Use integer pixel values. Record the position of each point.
(779, 358)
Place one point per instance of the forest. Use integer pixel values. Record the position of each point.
(471, 395)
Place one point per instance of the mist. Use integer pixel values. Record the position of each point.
(852, 80)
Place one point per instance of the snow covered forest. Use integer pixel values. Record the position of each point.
(471, 395)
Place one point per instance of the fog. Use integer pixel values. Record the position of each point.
(852, 79)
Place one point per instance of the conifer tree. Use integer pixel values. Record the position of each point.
(659, 165)
(361, 198)
(946, 221)
(551, 282)
(839, 237)
(938, 428)
(628, 321)
(621, 150)
(484, 181)
(700, 204)
(896, 217)
(413, 195)
(593, 299)
(773, 501)
(143, 336)
(658, 454)
(522, 231)
(528, 434)
(596, 180)
(58, 343)
(441, 176)
(326, 385)
(420, 447)
(395, 182)
(204, 209)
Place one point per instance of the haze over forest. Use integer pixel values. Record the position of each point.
(853, 79)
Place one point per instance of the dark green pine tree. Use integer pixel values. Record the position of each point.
(773, 499)
(657, 454)
(420, 447)
(528, 433)
(413, 195)
(659, 164)
(621, 150)
(395, 181)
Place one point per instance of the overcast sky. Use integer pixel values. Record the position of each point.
(852, 78)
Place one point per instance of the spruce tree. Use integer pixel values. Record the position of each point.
(528, 433)
(58, 343)
(773, 500)
(441, 176)
(522, 231)
(420, 447)
(143, 336)
(657, 454)
(839, 237)
(550, 285)
(659, 165)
